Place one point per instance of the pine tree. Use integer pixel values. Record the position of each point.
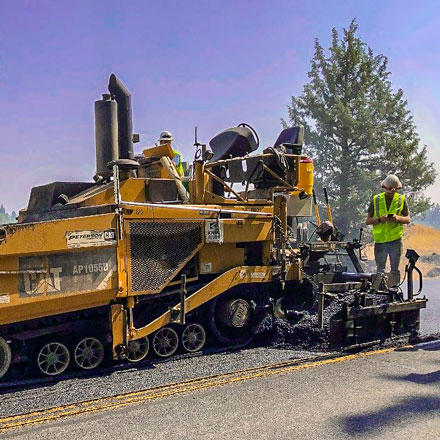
(358, 129)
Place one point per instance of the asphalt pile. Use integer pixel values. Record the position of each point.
(302, 332)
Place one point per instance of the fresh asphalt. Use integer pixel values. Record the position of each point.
(430, 317)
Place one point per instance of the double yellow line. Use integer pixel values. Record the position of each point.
(121, 400)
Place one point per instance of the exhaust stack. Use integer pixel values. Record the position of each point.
(125, 124)
(106, 135)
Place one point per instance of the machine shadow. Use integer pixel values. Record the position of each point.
(430, 343)
(374, 422)
(433, 345)
(425, 378)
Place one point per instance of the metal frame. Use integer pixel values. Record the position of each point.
(227, 280)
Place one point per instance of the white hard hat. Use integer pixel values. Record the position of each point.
(392, 181)
(166, 136)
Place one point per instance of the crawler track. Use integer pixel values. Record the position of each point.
(20, 384)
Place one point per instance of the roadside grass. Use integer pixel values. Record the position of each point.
(422, 238)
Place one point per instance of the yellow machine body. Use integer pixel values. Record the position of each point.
(124, 257)
(64, 265)
(35, 257)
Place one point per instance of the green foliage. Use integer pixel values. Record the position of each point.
(358, 129)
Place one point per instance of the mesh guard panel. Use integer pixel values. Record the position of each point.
(157, 249)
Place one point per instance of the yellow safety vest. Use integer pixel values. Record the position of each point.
(386, 232)
(178, 162)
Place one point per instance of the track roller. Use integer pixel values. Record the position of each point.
(193, 337)
(137, 350)
(165, 342)
(88, 353)
(53, 358)
(5, 357)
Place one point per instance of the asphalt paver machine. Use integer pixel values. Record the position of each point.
(143, 260)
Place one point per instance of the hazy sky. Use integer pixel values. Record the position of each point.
(205, 63)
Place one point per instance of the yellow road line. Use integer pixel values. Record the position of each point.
(121, 400)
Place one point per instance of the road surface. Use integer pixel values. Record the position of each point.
(390, 394)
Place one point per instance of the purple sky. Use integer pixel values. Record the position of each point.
(187, 63)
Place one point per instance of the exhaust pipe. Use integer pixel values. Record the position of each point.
(125, 122)
(106, 136)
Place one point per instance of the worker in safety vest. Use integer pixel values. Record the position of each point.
(388, 212)
(167, 137)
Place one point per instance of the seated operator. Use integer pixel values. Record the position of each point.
(167, 137)
(388, 212)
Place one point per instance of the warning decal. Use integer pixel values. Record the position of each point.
(214, 231)
(5, 298)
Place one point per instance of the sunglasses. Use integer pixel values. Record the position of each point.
(391, 189)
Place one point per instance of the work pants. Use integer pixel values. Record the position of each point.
(393, 249)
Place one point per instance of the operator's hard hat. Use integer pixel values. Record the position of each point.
(166, 136)
(391, 181)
